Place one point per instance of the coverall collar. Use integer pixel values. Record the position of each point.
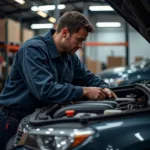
(53, 50)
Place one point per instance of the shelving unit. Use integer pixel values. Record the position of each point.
(10, 48)
(11, 37)
(9, 41)
(5, 49)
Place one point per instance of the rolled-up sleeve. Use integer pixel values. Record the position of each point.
(84, 77)
(39, 79)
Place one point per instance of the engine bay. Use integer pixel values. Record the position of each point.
(130, 98)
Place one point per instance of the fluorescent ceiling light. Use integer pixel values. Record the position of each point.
(42, 26)
(52, 19)
(34, 8)
(108, 24)
(100, 8)
(20, 1)
(47, 7)
(42, 14)
(61, 6)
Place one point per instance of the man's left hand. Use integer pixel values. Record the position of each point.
(109, 93)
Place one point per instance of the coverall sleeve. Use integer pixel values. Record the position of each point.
(39, 79)
(84, 77)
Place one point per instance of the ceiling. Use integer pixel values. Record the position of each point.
(23, 13)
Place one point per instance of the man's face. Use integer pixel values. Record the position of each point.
(74, 41)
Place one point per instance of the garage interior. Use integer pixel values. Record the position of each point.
(107, 47)
(51, 102)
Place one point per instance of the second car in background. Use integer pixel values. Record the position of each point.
(135, 73)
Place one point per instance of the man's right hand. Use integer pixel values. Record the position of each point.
(94, 93)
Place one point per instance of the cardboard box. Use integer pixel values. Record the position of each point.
(27, 34)
(115, 61)
(10, 29)
(138, 59)
(93, 66)
(2, 30)
(14, 31)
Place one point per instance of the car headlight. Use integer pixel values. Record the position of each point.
(55, 138)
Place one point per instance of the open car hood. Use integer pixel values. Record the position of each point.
(136, 13)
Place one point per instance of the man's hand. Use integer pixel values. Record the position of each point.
(109, 93)
(94, 93)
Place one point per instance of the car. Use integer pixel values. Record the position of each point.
(120, 124)
(135, 73)
(113, 124)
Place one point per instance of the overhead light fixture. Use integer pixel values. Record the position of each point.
(108, 24)
(42, 14)
(100, 8)
(52, 19)
(34, 8)
(20, 1)
(61, 6)
(42, 26)
(47, 7)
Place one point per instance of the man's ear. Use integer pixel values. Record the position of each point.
(65, 33)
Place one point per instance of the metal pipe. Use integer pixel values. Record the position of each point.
(127, 41)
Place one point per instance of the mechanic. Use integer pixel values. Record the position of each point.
(45, 71)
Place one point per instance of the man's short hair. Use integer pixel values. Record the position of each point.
(74, 21)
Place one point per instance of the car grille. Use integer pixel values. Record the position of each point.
(18, 136)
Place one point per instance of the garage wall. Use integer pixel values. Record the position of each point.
(101, 52)
(138, 46)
